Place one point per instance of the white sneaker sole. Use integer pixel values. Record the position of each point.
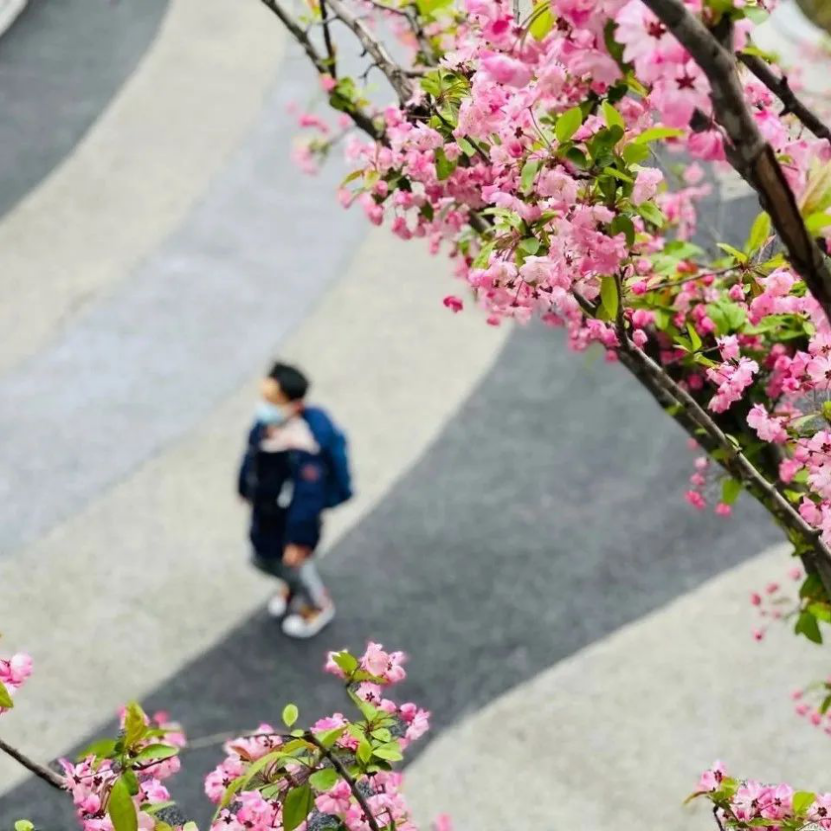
(296, 626)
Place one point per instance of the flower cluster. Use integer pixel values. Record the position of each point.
(332, 774)
(14, 672)
(750, 804)
(124, 776)
(538, 157)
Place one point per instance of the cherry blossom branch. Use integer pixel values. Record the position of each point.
(362, 120)
(48, 776)
(751, 156)
(327, 39)
(418, 31)
(375, 49)
(347, 777)
(782, 90)
(655, 379)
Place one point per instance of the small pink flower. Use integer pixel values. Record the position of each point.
(758, 634)
(756, 599)
(723, 509)
(453, 303)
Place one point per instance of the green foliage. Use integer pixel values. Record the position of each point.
(568, 124)
(120, 807)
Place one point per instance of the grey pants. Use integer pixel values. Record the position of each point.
(304, 583)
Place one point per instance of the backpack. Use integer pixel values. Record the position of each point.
(334, 449)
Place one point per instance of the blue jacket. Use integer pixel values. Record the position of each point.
(263, 477)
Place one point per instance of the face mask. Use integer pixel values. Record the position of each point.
(271, 414)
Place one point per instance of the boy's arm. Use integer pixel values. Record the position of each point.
(308, 502)
(247, 465)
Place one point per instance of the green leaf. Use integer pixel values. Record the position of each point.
(542, 20)
(391, 752)
(481, 261)
(806, 624)
(355, 174)
(382, 734)
(695, 340)
(156, 752)
(467, 148)
(323, 780)
(131, 781)
(730, 490)
(121, 809)
(529, 174)
(5, 697)
(529, 246)
(290, 714)
(608, 296)
(759, 232)
(23, 825)
(622, 224)
(444, 167)
(296, 807)
(821, 611)
(811, 587)
(577, 157)
(102, 749)
(817, 221)
(612, 171)
(652, 213)
(329, 737)
(802, 801)
(739, 256)
(568, 124)
(364, 750)
(612, 117)
(658, 133)
(135, 724)
(635, 153)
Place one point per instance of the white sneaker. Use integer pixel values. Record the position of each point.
(279, 604)
(308, 623)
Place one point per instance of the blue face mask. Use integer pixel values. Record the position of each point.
(271, 414)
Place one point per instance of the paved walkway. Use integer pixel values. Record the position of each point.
(519, 527)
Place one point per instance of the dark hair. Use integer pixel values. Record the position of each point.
(292, 381)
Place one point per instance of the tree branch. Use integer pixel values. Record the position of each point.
(782, 90)
(693, 417)
(348, 778)
(375, 49)
(327, 39)
(362, 120)
(749, 153)
(48, 776)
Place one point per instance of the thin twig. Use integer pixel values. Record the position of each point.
(327, 39)
(782, 90)
(361, 119)
(48, 776)
(348, 778)
(375, 49)
(748, 152)
(716, 817)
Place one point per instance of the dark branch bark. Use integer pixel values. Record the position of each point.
(327, 39)
(363, 121)
(749, 154)
(48, 776)
(376, 50)
(782, 90)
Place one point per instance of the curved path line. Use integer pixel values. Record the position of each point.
(138, 171)
(50, 97)
(97, 602)
(616, 736)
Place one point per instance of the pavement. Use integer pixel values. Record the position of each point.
(520, 526)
